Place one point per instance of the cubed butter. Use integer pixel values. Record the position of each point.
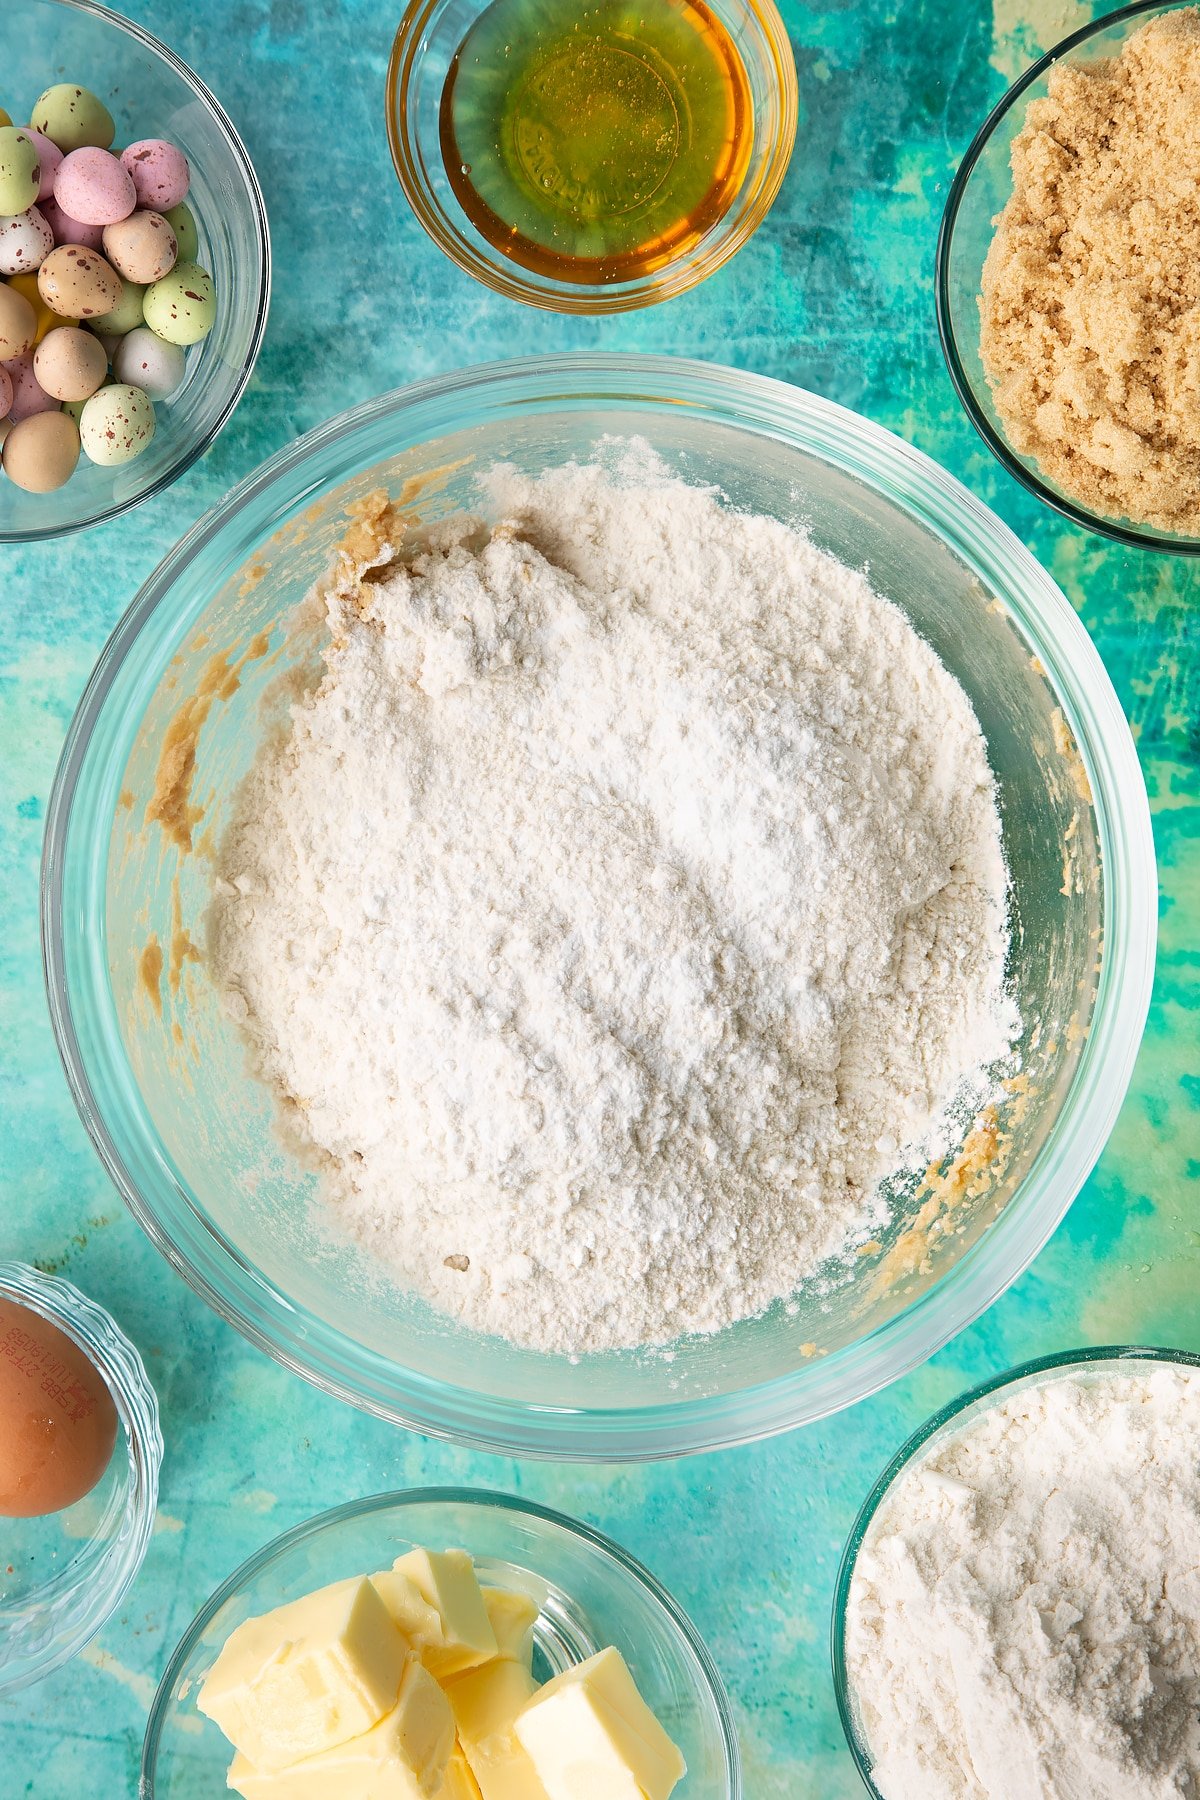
(485, 1703)
(588, 1732)
(412, 1614)
(512, 1616)
(445, 1579)
(308, 1676)
(459, 1783)
(405, 1757)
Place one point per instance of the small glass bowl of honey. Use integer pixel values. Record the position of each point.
(591, 156)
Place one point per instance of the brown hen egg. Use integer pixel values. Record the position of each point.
(58, 1423)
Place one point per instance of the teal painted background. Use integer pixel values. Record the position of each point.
(835, 293)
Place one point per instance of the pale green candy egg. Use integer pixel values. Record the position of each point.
(182, 307)
(20, 171)
(116, 425)
(73, 118)
(125, 315)
(182, 222)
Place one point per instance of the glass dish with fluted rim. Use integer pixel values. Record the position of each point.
(429, 37)
(589, 1593)
(157, 1066)
(62, 1575)
(1095, 1364)
(977, 196)
(150, 93)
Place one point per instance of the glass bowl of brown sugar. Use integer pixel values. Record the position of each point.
(1063, 277)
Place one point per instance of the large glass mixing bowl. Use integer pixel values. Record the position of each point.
(157, 1068)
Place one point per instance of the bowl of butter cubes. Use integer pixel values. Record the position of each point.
(441, 1644)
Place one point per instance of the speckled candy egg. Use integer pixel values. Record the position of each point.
(71, 117)
(44, 317)
(147, 361)
(29, 396)
(116, 424)
(142, 248)
(25, 242)
(20, 171)
(5, 118)
(182, 308)
(40, 453)
(70, 363)
(125, 315)
(49, 158)
(5, 391)
(183, 223)
(93, 186)
(160, 173)
(18, 324)
(68, 230)
(78, 283)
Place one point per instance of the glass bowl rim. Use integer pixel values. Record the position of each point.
(590, 300)
(754, 405)
(1142, 539)
(909, 1451)
(92, 1327)
(486, 1499)
(32, 534)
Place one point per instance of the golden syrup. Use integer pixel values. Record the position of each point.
(596, 140)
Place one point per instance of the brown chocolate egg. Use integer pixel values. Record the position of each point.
(40, 454)
(70, 363)
(78, 283)
(58, 1423)
(142, 247)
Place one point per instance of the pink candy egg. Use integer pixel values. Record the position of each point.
(28, 394)
(93, 186)
(71, 231)
(6, 396)
(26, 240)
(49, 156)
(160, 173)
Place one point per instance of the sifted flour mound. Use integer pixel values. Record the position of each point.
(1024, 1619)
(625, 904)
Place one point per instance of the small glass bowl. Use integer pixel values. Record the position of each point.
(978, 194)
(150, 93)
(1098, 1363)
(589, 1592)
(430, 34)
(62, 1575)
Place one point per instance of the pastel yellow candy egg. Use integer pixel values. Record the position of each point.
(44, 317)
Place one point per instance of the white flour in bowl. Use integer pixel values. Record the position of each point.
(1024, 1618)
(627, 902)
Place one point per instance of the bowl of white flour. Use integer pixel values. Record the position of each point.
(599, 907)
(1018, 1609)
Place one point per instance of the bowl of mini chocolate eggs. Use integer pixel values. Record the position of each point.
(134, 267)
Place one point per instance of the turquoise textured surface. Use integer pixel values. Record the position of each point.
(835, 293)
